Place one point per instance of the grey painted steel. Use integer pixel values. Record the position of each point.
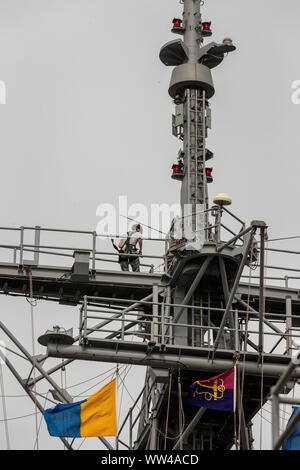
(96, 327)
(34, 363)
(29, 392)
(193, 287)
(189, 76)
(233, 292)
(165, 359)
(271, 292)
(288, 311)
(190, 428)
(154, 324)
(226, 296)
(267, 322)
(232, 240)
(275, 419)
(64, 397)
(174, 53)
(192, 33)
(105, 276)
(289, 400)
(261, 289)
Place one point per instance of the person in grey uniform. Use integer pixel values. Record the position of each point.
(129, 245)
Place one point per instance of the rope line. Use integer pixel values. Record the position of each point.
(33, 354)
(168, 409)
(4, 407)
(241, 394)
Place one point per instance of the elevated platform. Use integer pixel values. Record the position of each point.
(54, 283)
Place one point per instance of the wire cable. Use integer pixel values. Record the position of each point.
(18, 417)
(4, 407)
(81, 394)
(40, 422)
(33, 354)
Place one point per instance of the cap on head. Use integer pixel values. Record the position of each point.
(137, 227)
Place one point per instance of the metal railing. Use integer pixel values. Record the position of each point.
(156, 325)
(218, 233)
(90, 246)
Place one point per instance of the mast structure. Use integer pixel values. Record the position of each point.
(191, 87)
(190, 322)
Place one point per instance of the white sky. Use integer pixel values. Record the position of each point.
(88, 118)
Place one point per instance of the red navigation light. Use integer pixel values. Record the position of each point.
(178, 171)
(177, 23)
(209, 177)
(206, 26)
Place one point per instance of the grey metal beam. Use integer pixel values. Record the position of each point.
(169, 359)
(267, 322)
(34, 363)
(241, 234)
(190, 428)
(193, 287)
(63, 397)
(233, 292)
(226, 296)
(261, 288)
(29, 393)
(271, 292)
(97, 327)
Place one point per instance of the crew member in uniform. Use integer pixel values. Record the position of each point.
(129, 245)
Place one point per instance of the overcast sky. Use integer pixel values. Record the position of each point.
(88, 118)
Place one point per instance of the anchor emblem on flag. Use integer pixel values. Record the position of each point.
(217, 393)
(218, 388)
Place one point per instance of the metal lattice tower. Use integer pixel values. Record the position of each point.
(189, 321)
(191, 87)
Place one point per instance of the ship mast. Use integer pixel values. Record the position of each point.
(191, 87)
(187, 323)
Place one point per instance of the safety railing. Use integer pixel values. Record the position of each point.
(36, 248)
(153, 322)
(211, 228)
(34, 241)
(137, 418)
(20, 249)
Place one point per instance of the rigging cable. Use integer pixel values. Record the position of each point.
(168, 409)
(4, 407)
(240, 404)
(145, 225)
(180, 411)
(262, 352)
(13, 352)
(41, 421)
(33, 354)
(98, 383)
(18, 417)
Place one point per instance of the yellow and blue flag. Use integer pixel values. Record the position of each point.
(94, 417)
